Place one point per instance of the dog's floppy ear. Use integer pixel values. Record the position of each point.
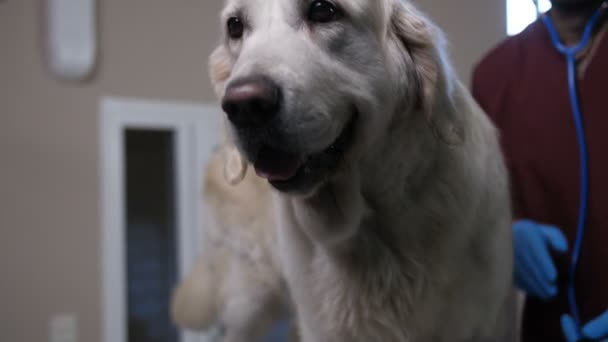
(235, 166)
(431, 81)
(220, 68)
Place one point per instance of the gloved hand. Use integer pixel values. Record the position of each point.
(594, 330)
(535, 271)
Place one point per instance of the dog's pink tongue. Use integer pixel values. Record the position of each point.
(275, 165)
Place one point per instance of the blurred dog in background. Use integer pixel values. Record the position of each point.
(236, 282)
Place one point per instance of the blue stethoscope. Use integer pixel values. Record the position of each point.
(570, 54)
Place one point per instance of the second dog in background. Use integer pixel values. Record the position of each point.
(236, 283)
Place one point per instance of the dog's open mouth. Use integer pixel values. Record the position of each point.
(288, 171)
(277, 166)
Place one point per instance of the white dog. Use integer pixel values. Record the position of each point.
(391, 192)
(236, 282)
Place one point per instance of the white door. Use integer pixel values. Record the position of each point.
(153, 155)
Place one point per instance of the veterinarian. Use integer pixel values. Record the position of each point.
(546, 90)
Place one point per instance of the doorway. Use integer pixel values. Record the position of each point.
(152, 160)
(151, 231)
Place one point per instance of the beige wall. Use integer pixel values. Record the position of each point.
(472, 28)
(49, 223)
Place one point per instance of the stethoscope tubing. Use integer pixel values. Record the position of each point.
(570, 55)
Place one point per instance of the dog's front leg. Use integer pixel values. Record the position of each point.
(333, 214)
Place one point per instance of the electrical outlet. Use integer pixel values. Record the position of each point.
(63, 328)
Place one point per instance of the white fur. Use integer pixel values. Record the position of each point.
(236, 283)
(409, 240)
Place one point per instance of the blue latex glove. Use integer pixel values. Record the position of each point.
(594, 330)
(535, 271)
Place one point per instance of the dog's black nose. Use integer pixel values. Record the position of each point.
(251, 102)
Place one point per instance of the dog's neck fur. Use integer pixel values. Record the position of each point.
(385, 234)
(347, 222)
(329, 217)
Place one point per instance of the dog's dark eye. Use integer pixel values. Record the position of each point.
(235, 27)
(322, 11)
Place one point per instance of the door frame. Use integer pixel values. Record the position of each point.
(187, 121)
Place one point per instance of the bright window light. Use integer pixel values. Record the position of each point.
(544, 5)
(521, 13)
